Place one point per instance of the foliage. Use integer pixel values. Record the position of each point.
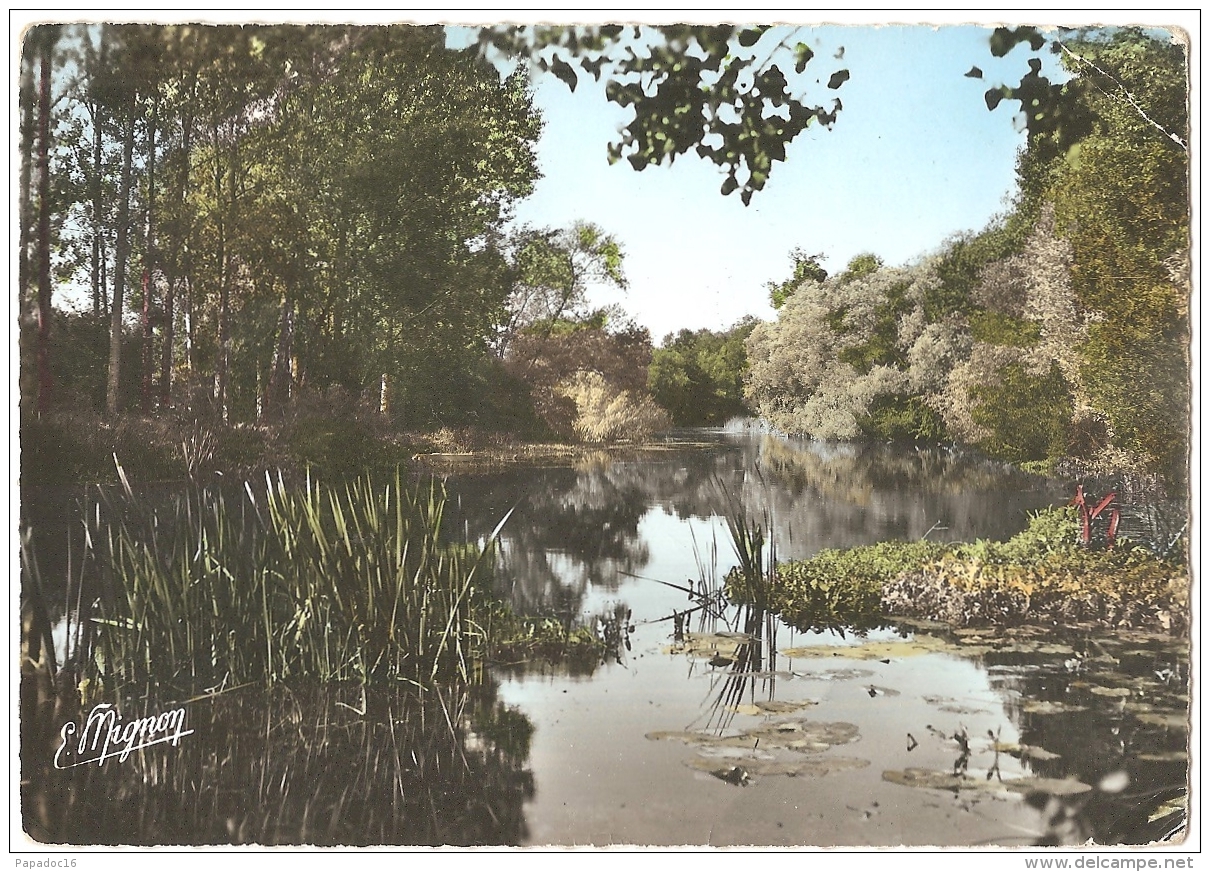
(1027, 417)
(723, 91)
(854, 354)
(327, 582)
(698, 375)
(554, 270)
(843, 587)
(547, 357)
(1119, 184)
(1041, 575)
(607, 414)
(319, 207)
(806, 266)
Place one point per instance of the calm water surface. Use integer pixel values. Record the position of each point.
(907, 735)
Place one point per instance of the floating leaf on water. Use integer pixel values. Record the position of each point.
(815, 767)
(687, 736)
(835, 675)
(774, 706)
(938, 780)
(1164, 756)
(1175, 720)
(1052, 786)
(723, 752)
(893, 649)
(804, 736)
(879, 690)
(1110, 691)
(1031, 752)
(1047, 707)
(736, 775)
(951, 705)
(709, 644)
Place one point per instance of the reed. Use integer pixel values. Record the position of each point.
(349, 581)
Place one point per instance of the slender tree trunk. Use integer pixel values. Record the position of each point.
(169, 337)
(98, 205)
(28, 99)
(121, 252)
(44, 288)
(149, 256)
(220, 370)
(279, 379)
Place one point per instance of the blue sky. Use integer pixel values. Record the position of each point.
(914, 157)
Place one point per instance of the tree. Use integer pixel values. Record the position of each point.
(554, 270)
(854, 355)
(723, 91)
(806, 267)
(698, 376)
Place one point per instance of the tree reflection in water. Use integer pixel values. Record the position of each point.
(325, 766)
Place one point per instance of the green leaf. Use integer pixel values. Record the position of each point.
(751, 36)
(565, 72)
(838, 78)
(802, 56)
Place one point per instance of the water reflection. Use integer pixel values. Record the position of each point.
(321, 766)
(577, 530)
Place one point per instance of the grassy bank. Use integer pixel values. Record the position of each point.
(1040, 576)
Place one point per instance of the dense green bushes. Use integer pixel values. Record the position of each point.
(1042, 576)
(698, 375)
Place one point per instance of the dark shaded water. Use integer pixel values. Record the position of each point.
(910, 735)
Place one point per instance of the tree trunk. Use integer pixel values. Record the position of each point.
(44, 288)
(98, 205)
(149, 255)
(169, 336)
(278, 393)
(122, 251)
(28, 99)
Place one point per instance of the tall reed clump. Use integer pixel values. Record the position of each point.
(330, 582)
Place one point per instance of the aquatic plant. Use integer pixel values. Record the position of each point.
(349, 581)
(1043, 575)
(842, 588)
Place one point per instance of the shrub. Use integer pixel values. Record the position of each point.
(606, 414)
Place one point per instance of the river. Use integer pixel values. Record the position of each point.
(708, 730)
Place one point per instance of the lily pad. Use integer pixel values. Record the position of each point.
(879, 690)
(804, 736)
(813, 767)
(709, 645)
(1026, 752)
(937, 780)
(1052, 786)
(948, 704)
(893, 649)
(835, 675)
(772, 707)
(1164, 756)
(807, 737)
(1120, 692)
(1047, 707)
(1173, 719)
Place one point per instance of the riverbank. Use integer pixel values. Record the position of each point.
(1043, 576)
